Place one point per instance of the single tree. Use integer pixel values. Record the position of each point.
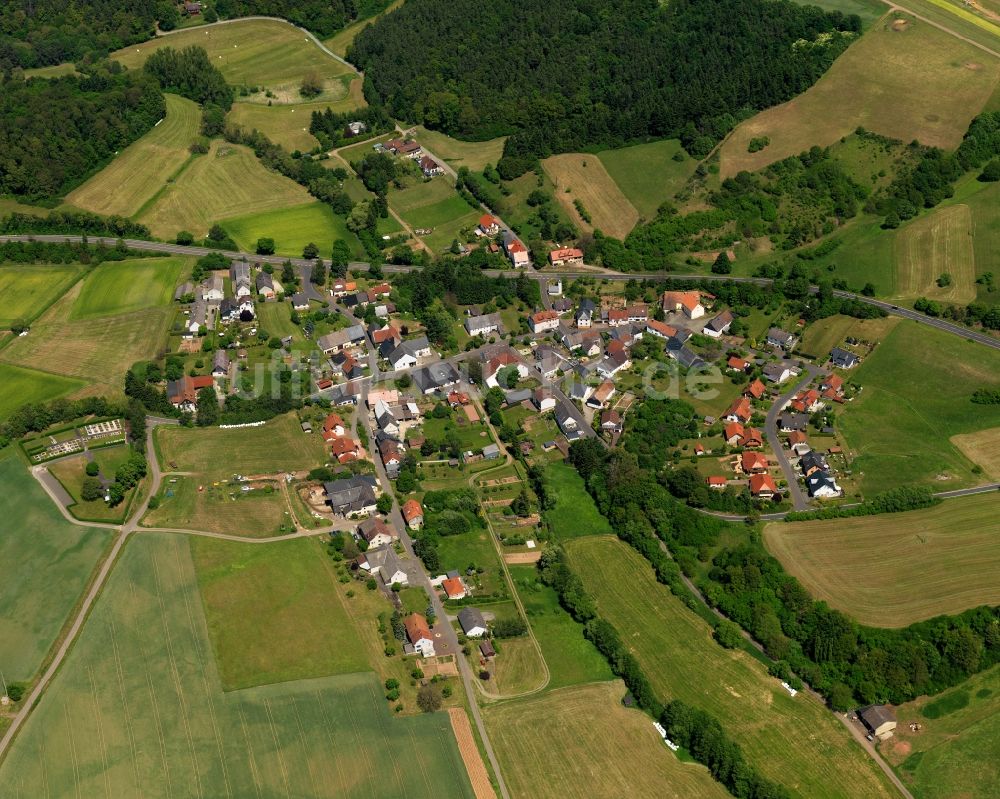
(91, 489)
(265, 246)
(429, 699)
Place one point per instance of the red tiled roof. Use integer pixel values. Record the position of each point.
(662, 328)
(453, 586)
(714, 480)
(416, 628)
(762, 482)
(756, 389)
(736, 363)
(564, 254)
(411, 510)
(734, 429)
(752, 461)
(740, 409)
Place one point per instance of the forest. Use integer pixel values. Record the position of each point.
(566, 75)
(55, 133)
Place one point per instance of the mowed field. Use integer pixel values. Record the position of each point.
(118, 287)
(581, 743)
(917, 83)
(434, 205)
(19, 386)
(141, 170)
(793, 741)
(647, 174)
(953, 755)
(574, 513)
(228, 181)
(48, 563)
(292, 229)
(279, 445)
(26, 291)
(982, 448)
(581, 176)
(893, 570)
(138, 710)
(457, 153)
(940, 242)
(249, 52)
(343, 39)
(917, 388)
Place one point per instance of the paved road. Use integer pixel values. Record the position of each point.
(799, 500)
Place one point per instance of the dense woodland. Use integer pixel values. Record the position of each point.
(569, 74)
(55, 133)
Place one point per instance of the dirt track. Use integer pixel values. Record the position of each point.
(480, 780)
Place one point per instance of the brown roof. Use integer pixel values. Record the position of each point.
(411, 510)
(453, 586)
(416, 628)
(762, 482)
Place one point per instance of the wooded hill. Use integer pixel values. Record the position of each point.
(567, 75)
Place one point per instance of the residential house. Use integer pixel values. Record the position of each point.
(798, 442)
(763, 486)
(660, 329)
(777, 372)
(554, 288)
(686, 302)
(242, 286)
(498, 363)
(454, 588)
(346, 394)
(472, 622)
(406, 149)
(813, 462)
(184, 290)
(543, 320)
(409, 352)
(569, 256)
(515, 250)
(548, 361)
(736, 363)
(419, 634)
(352, 129)
(733, 434)
(843, 359)
(220, 364)
(611, 421)
(584, 317)
(780, 339)
(388, 451)
(483, 325)
(379, 292)
(544, 399)
(753, 462)
(342, 287)
(435, 377)
(430, 167)
(879, 720)
(348, 365)
(567, 421)
(739, 411)
(413, 514)
(787, 422)
(821, 485)
(265, 285)
(389, 396)
(386, 419)
(755, 389)
(201, 317)
(489, 225)
(239, 272)
(345, 449)
(716, 483)
(352, 495)
(588, 343)
(387, 334)
(752, 438)
(213, 289)
(377, 533)
(183, 393)
(719, 325)
(602, 395)
(300, 301)
(637, 314)
(832, 386)
(245, 308)
(617, 316)
(333, 426)
(340, 340)
(384, 562)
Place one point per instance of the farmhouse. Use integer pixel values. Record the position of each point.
(843, 359)
(430, 167)
(660, 329)
(483, 325)
(183, 393)
(543, 320)
(413, 514)
(515, 250)
(763, 486)
(419, 634)
(879, 720)
(569, 256)
(489, 225)
(376, 532)
(780, 339)
(472, 622)
(687, 302)
(352, 495)
(407, 149)
(719, 325)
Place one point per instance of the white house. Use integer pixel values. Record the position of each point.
(213, 289)
(483, 325)
(419, 634)
(543, 320)
(472, 622)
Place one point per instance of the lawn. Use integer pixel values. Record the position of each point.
(953, 753)
(276, 319)
(581, 743)
(648, 174)
(28, 290)
(457, 153)
(70, 472)
(273, 613)
(27, 386)
(580, 177)
(221, 508)
(474, 548)
(118, 287)
(228, 181)
(917, 384)
(434, 204)
(470, 436)
(54, 560)
(891, 571)
(144, 168)
(824, 334)
(139, 710)
(261, 53)
(278, 446)
(571, 658)
(794, 741)
(917, 83)
(292, 229)
(575, 513)
(938, 243)
(518, 667)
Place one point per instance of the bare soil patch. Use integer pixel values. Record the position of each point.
(478, 775)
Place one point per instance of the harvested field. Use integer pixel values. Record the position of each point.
(144, 168)
(581, 743)
(940, 242)
(906, 84)
(893, 570)
(983, 449)
(478, 776)
(522, 557)
(583, 177)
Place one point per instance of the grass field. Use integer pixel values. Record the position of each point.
(581, 743)
(26, 291)
(19, 386)
(940, 242)
(144, 168)
(267, 53)
(434, 204)
(118, 287)
(957, 17)
(985, 206)
(138, 710)
(344, 38)
(890, 571)
(982, 448)
(794, 741)
(517, 667)
(457, 153)
(55, 71)
(287, 125)
(292, 229)
(48, 562)
(575, 513)
(952, 755)
(273, 613)
(927, 86)
(278, 446)
(824, 334)
(580, 176)
(70, 472)
(917, 385)
(868, 10)
(226, 182)
(647, 174)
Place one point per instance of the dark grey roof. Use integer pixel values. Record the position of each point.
(351, 494)
(780, 337)
(220, 361)
(793, 421)
(843, 357)
(818, 480)
(874, 716)
(300, 299)
(264, 281)
(183, 290)
(469, 618)
(813, 459)
(721, 322)
(437, 375)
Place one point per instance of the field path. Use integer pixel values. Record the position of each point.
(894, 6)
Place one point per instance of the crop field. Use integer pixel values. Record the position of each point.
(139, 710)
(248, 53)
(278, 446)
(292, 229)
(19, 386)
(917, 386)
(647, 174)
(54, 560)
(982, 448)
(952, 754)
(119, 287)
(457, 153)
(940, 242)
(581, 743)
(145, 167)
(575, 513)
(26, 291)
(891, 571)
(927, 86)
(228, 181)
(793, 741)
(517, 668)
(273, 613)
(583, 177)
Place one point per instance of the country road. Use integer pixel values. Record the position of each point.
(799, 499)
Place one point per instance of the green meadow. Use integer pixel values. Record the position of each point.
(19, 386)
(292, 229)
(26, 291)
(649, 174)
(118, 287)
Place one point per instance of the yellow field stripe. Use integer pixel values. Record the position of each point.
(968, 16)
